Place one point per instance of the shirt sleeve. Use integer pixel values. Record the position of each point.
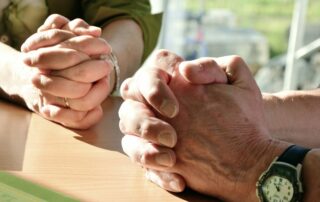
(101, 12)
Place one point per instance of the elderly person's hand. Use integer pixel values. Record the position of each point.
(71, 76)
(223, 143)
(149, 87)
(150, 91)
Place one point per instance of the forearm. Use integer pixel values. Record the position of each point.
(126, 40)
(311, 177)
(11, 74)
(293, 116)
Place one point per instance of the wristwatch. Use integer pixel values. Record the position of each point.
(281, 182)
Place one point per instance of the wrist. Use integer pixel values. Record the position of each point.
(13, 74)
(126, 40)
(18, 86)
(23, 88)
(282, 180)
(271, 104)
(310, 176)
(269, 151)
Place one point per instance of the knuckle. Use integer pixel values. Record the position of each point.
(123, 109)
(167, 56)
(124, 89)
(236, 60)
(209, 62)
(35, 80)
(154, 91)
(145, 157)
(122, 126)
(145, 130)
(37, 57)
(162, 53)
(140, 153)
(78, 22)
(55, 115)
(41, 82)
(186, 68)
(54, 17)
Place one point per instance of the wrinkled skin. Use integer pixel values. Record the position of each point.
(218, 139)
(222, 144)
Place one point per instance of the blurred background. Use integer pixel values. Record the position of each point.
(279, 39)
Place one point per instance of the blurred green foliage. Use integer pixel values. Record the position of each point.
(270, 17)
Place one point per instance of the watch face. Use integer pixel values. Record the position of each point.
(278, 189)
(280, 183)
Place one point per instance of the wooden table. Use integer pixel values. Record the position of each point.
(88, 165)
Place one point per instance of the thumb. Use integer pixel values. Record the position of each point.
(80, 27)
(237, 72)
(54, 21)
(77, 26)
(202, 71)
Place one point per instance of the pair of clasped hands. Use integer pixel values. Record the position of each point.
(70, 73)
(199, 124)
(189, 123)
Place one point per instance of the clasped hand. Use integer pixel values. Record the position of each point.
(69, 74)
(199, 124)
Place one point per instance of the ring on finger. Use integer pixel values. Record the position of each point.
(66, 102)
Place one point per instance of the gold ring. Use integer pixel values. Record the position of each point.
(230, 77)
(66, 102)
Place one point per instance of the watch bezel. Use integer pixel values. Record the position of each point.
(283, 170)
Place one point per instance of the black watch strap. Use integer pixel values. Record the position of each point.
(293, 155)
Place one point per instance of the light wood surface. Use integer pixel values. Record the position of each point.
(88, 165)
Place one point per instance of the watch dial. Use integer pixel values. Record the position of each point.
(278, 189)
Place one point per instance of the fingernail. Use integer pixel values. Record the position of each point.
(121, 126)
(169, 108)
(45, 111)
(54, 26)
(44, 80)
(94, 28)
(167, 139)
(26, 58)
(41, 28)
(24, 48)
(175, 186)
(164, 159)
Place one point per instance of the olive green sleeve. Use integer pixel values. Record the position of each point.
(101, 12)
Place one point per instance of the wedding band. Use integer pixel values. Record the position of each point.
(229, 78)
(66, 102)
